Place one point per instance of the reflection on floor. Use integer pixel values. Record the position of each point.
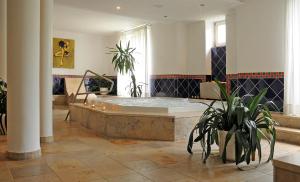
(77, 155)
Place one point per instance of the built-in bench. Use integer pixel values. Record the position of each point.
(289, 129)
(287, 168)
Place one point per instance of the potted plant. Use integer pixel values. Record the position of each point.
(246, 121)
(98, 85)
(124, 61)
(3, 109)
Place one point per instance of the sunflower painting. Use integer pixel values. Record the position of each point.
(63, 53)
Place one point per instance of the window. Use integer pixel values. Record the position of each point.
(138, 40)
(220, 33)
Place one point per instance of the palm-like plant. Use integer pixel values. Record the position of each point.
(3, 106)
(124, 61)
(249, 121)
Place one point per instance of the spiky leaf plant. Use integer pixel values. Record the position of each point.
(123, 61)
(249, 121)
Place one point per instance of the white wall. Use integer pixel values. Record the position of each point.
(90, 53)
(231, 62)
(260, 27)
(180, 48)
(3, 37)
(196, 62)
(169, 53)
(209, 42)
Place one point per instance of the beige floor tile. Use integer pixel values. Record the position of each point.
(126, 157)
(79, 155)
(14, 164)
(61, 165)
(264, 178)
(86, 175)
(129, 177)
(142, 165)
(30, 170)
(113, 170)
(266, 168)
(163, 175)
(41, 178)
(5, 175)
(3, 165)
(101, 162)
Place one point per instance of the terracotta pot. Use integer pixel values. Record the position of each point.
(230, 149)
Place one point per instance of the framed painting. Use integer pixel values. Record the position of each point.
(63, 53)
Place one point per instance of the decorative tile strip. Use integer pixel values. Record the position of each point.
(179, 76)
(230, 77)
(261, 75)
(80, 76)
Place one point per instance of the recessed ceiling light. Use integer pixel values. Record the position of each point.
(118, 7)
(202, 5)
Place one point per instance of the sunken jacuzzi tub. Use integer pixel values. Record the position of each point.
(166, 119)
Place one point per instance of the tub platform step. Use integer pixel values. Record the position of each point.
(287, 121)
(288, 135)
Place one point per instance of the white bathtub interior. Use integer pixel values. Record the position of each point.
(151, 104)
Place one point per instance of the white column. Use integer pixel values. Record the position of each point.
(3, 17)
(23, 42)
(46, 70)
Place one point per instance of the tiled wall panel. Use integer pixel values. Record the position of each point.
(218, 63)
(184, 86)
(253, 83)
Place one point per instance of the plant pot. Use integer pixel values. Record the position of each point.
(230, 149)
(103, 91)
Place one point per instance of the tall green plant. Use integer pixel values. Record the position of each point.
(3, 106)
(249, 121)
(124, 61)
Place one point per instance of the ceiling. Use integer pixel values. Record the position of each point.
(101, 16)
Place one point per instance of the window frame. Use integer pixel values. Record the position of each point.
(216, 24)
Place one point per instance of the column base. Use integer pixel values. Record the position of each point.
(24, 156)
(48, 139)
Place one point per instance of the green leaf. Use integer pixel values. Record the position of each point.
(191, 141)
(223, 90)
(258, 149)
(272, 145)
(257, 99)
(238, 147)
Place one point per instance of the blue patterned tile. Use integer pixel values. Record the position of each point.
(194, 87)
(183, 88)
(275, 88)
(164, 87)
(218, 58)
(58, 86)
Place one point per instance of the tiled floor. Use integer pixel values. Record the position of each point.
(77, 155)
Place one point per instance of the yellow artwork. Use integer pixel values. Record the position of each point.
(63, 53)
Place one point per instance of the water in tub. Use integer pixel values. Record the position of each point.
(155, 104)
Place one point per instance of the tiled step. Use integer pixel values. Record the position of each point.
(287, 121)
(288, 135)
